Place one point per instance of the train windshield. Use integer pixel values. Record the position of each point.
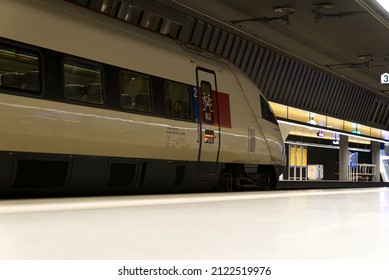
(267, 112)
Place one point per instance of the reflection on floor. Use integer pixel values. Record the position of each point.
(315, 224)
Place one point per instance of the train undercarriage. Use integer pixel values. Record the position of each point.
(36, 175)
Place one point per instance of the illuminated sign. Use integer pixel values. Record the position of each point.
(297, 156)
(209, 136)
(353, 160)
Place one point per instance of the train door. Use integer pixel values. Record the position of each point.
(208, 116)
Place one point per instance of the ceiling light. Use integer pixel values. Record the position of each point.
(384, 4)
(366, 56)
(312, 121)
(280, 10)
(322, 6)
(356, 131)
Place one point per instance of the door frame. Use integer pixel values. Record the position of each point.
(215, 103)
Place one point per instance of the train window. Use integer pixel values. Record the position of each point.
(178, 101)
(83, 82)
(135, 93)
(19, 69)
(267, 112)
(207, 104)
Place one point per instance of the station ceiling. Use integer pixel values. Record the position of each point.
(323, 57)
(349, 38)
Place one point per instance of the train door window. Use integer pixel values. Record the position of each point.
(20, 69)
(207, 102)
(178, 101)
(267, 112)
(135, 92)
(83, 81)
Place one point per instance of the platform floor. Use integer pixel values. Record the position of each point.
(310, 224)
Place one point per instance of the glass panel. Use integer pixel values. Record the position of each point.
(375, 133)
(129, 13)
(109, 6)
(321, 120)
(385, 134)
(177, 100)
(298, 115)
(364, 130)
(281, 111)
(150, 21)
(171, 28)
(207, 104)
(334, 123)
(352, 127)
(82, 82)
(135, 92)
(19, 69)
(266, 111)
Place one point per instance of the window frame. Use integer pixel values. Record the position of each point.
(150, 83)
(203, 112)
(20, 91)
(99, 66)
(267, 112)
(190, 101)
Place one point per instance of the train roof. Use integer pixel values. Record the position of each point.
(67, 28)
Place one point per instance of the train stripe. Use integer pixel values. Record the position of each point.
(224, 110)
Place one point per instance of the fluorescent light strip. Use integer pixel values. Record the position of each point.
(335, 131)
(334, 147)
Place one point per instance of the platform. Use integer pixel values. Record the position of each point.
(327, 184)
(311, 224)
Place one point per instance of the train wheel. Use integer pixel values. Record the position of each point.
(230, 178)
(227, 183)
(268, 180)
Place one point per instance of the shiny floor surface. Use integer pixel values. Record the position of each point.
(320, 224)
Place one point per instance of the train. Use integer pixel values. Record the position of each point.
(91, 105)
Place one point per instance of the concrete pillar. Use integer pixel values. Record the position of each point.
(375, 159)
(343, 158)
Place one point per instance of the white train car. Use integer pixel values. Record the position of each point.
(91, 105)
